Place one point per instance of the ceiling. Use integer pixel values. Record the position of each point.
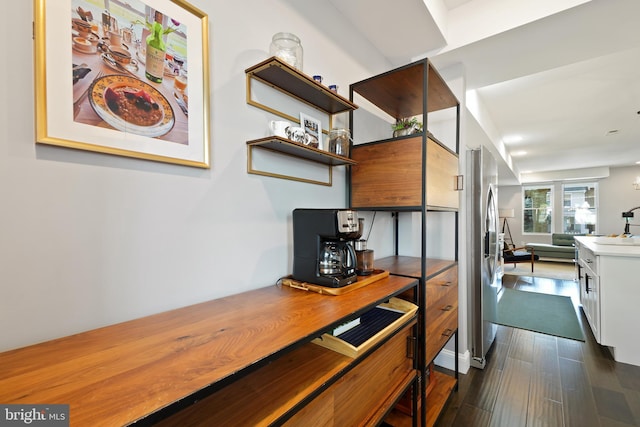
(563, 76)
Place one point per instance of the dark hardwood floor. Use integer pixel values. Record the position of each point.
(532, 379)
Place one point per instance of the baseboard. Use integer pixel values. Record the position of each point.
(446, 359)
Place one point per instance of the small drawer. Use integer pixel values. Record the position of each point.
(442, 290)
(357, 397)
(375, 326)
(441, 314)
(588, 259)
(440, 326)
(446, 279)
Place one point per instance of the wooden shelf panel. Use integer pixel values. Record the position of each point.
(148, 368)
(282, 76)
(399, 92)
(286, 146)
(266, 395)
(401, 388)
(439, 396)
(436, 399)
(411, 266)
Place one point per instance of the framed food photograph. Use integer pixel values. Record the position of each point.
(128, 78)
(312, 129)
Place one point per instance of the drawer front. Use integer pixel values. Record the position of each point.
(443, 287)
(440, 327)
(591, 302)
(362, 390)
(588, 259)
(358, 394)
(441, 314)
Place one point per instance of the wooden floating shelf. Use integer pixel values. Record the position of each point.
(282, 76)
(286, 146)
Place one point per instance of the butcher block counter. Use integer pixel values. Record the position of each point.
(145, 370)
(609, 272)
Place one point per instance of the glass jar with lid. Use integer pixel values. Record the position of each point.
(287, 47)
(339, 141)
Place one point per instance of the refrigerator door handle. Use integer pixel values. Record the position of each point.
(487, 248)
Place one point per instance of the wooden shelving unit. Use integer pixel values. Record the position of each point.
(415, 173)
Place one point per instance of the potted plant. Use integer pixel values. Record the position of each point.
(406, 126)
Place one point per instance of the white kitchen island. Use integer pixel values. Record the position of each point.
(609, 274)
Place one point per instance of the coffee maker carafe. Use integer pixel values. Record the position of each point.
(323, 253)
(335, 258)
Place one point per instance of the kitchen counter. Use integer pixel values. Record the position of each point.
(613, 247)
(609, 293)
(147, 369)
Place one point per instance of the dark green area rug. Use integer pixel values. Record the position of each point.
(547, 314)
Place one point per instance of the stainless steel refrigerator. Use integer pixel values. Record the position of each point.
(482, 227)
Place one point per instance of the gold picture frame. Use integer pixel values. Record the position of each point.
(108, 103)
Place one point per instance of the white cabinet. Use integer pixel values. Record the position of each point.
(610, 294)
(589, 288)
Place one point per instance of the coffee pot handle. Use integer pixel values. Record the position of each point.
(350, 264)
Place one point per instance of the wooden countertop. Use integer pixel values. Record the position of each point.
(158, 364)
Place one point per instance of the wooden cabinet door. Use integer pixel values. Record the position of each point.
(442, 171)
(361, 395)
(389, 174)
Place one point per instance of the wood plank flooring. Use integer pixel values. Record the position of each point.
(532, 379)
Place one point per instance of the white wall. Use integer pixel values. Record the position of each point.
(616, 194)
(88, 239)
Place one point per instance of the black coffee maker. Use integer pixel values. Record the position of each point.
(323, 251)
